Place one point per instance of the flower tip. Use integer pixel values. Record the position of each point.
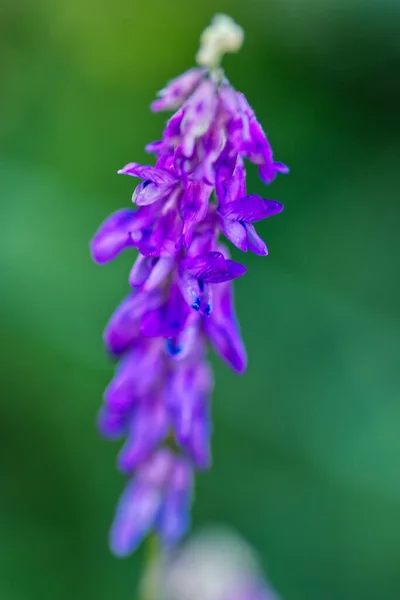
(219, 38)
(281, 168)
(119, 546)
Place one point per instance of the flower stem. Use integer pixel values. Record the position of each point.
(149, 589)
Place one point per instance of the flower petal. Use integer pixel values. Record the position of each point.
(194, 201)
(250, 209)
(138, 371)
(161, 239)
(177, 90)
(148, 192)
(235, 231)
(233, 188)
(114, 235)
(154, 174)
(188, 401)
(149, 271)
(123, 327)
(136, 514)
(148, 427)
(254, 242)
(199, 112)
(174, 518)
(223, 330)
(212, 267)
(269, 170)
(169, 319)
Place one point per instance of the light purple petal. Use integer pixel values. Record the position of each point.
(188, 400)
(123, 327)
(137, 372)
(147, 193)
(212, 268)
(194, 202)
(235, 232)
(136, 514)
(148, 427)
(174, 519)
(112, 424)
(114, 235)
(168, 320)
(154, 174)
(250, 209)
(185, 239)
(149, 271)
(223, 330)
(172, 131)
(254, 242)
(226, 163)
(161, 240)
(269, 170)
(177, 90)
(234, 188)
(199, 112)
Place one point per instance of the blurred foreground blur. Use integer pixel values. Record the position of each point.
(215, 564)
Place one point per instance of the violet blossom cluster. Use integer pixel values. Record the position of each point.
(181, 289)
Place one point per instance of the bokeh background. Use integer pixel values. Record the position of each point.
(306, 445)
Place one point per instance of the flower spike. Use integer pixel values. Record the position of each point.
(181, 297)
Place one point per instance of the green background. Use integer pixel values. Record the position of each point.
(306, 445)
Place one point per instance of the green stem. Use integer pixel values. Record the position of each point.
(149, 588)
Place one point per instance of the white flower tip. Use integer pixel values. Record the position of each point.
(222, 36)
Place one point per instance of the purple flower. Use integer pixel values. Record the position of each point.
(181, 298)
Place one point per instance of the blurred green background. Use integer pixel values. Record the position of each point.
(306, 445)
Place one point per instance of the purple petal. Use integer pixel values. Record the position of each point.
(233, 188)
(250, 209)
(209, 149)
(205, 233)
(123, 327)
(187, 399)
(254, 242)
(196, 293)
(156, 147)
(169, 319)
(147, 193)
(156, 471)
(137, 371)
(147, 429)
(194, 202)
(154, 174)
(114, 235)
(212, 268)
(172, 131)
(149, 271)
(112, 424)
(136, 514)
(198, 444)
(199, 112)
(185, 239)
(161, 240)
(269, 170)
(174, 518)
(223, 331)
(177, 90)
(226, 163)
(235, 232)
